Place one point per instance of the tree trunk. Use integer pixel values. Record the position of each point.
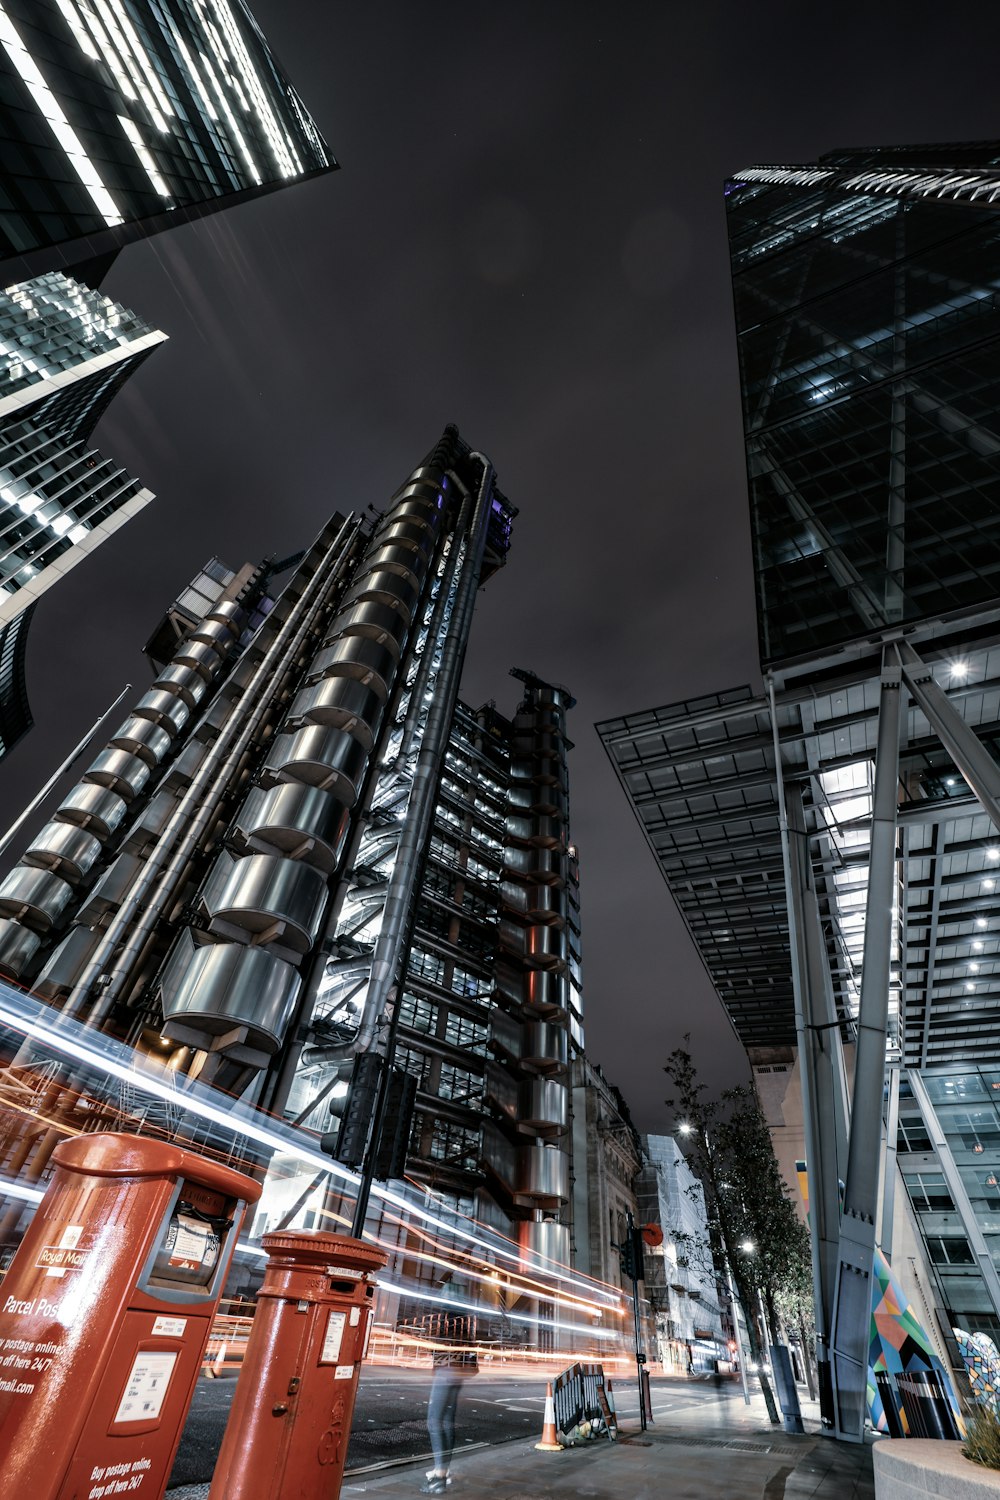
(757, 1354)
(807, 1358)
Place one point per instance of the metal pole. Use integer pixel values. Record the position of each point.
(639, 1356)
(852, 1303)
(67, 765)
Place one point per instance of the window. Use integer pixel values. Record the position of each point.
(950, 1250)
(929, 1193)
(913, 1135)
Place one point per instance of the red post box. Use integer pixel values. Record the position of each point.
(105, 1313)
(291, 1418)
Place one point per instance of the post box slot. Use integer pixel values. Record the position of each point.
(190, 1248)
(344, 1287)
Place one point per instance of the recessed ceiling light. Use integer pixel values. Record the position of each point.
(959, 669)
(988, 885)
(978, 947)
(980, 921)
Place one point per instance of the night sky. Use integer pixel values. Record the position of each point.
(527, 238)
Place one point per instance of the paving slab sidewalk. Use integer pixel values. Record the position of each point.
(726, 1452)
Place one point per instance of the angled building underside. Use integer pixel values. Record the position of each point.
(833, 841)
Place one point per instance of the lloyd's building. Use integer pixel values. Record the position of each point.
(300, 867)
(831, 834)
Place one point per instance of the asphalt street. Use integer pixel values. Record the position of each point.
(391, 1414)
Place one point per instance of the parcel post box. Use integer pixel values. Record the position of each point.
(105, 1313)
(290, 1422)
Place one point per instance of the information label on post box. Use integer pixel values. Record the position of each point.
(332, 1338)
(146, 1387)
(192, 1244)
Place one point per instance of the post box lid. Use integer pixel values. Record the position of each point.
(318, 1247)
(115, 1154)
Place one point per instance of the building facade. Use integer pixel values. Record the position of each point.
(120, 120)
(65, 350)
(607, 1157)
(831, 840)
(301, 850)
(116, 122)
(682, 1284)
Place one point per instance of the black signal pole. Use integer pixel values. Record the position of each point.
(633, 1242)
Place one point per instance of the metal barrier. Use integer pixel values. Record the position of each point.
(579, 1395)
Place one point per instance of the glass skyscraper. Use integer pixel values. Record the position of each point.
(833, 841)
(116, 121)
(119, 119)
(64, 352)
(868, 322)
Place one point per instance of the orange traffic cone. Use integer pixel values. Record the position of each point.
(550, 1441)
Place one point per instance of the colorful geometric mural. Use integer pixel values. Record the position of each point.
(982, 1361)
(899, 1353)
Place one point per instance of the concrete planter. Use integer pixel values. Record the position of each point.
(917, 1468)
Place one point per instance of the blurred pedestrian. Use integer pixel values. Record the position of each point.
(453, 1364)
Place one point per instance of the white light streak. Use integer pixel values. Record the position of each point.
(75, 1045)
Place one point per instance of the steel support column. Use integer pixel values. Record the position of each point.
(961, 741)
(889, 1161)
(852, 1301)
(822, 1074)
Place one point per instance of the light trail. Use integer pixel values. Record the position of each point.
(23, 1016)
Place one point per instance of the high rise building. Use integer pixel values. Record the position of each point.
(64, 352)
(117, 121)
(300, 858)
(120, 120)
(832, 841)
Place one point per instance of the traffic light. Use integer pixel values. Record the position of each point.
(390, 1157)
(348, 1146)
(633, 1266)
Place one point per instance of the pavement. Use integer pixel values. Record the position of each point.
(720, 1449)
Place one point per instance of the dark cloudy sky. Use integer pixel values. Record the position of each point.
(526, 237)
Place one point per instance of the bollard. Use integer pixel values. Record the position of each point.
(288, 1431)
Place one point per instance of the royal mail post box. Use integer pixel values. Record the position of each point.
(105, 1313)
(291, 1416)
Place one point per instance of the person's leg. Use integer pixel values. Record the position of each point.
(440, 1392)
(449, 1405)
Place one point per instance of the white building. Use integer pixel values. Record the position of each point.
(681, 1280)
